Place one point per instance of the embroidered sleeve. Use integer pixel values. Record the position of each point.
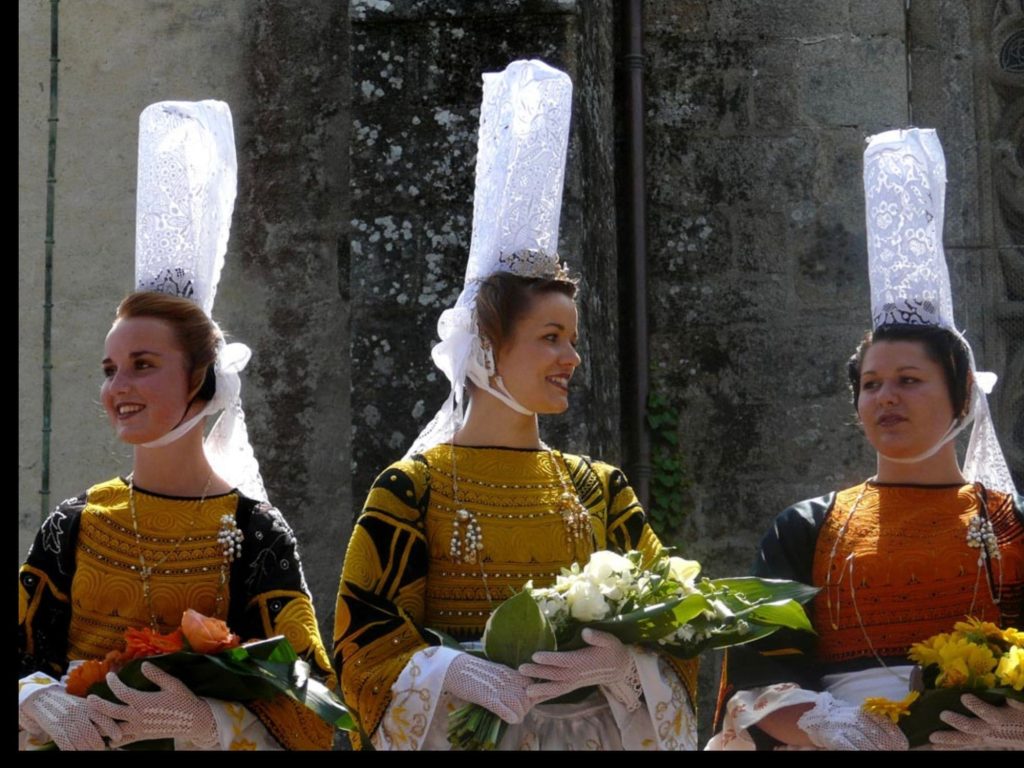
(44, 589)
(269, 597)
(381, 596)
(786, 552)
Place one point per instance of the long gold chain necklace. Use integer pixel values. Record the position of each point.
(145, 570)
(467, 540)
(979, 535)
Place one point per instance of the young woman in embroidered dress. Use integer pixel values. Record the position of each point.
(138, 551)
(449, 532)
(479, 505)
(188, 527)
(898, 557)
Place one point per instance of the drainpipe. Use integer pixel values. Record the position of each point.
(633, 264)
(51, 190)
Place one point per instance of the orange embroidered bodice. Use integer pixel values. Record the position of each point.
(903, 571)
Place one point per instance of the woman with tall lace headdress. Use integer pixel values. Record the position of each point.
(480, 505)
(920, 545)
(189, 526)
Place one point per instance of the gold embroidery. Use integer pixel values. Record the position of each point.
(514, 495)
(914, 574)
(106, 590)
(297, 622)
(293, 724)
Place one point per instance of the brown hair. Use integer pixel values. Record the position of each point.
(941, 347)
(195, 332)
(505, 297)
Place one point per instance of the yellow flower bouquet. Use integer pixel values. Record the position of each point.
(976, 657)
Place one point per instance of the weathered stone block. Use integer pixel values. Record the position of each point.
(417, 10)
(859, 82)
(777, 18)
(828, 248)
(759, 242)
(871, 18)
(676, 18)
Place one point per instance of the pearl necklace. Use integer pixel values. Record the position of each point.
(467, 541)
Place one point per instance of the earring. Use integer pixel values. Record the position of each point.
(487, 356)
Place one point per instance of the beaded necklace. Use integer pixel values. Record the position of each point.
(467, 541)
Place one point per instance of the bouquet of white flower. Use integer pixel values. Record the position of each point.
(661, 605)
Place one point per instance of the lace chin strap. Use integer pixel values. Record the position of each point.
(227, 446)
(984, 461)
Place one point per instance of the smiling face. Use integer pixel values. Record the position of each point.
(145, 391)
(904, 402)
(537, 363)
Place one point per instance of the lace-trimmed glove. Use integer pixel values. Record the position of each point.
(606, 663)
(165, 714)
(53, 712)
(494, 687)
(994, 727)
(834, 724)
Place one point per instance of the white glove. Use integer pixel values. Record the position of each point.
(494, 687)
(993, 728)
(606, 663)
(55, 713)
(834, 724)
(164, 714)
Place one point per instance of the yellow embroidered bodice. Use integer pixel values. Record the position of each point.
(179, 543)
(514, 498)
(400, 575)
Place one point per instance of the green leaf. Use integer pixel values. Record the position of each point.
(328, 706)
(785, 613)
(645, 625)
(754, 589)
(516, 630)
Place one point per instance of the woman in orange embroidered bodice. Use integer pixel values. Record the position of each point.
(893, 555)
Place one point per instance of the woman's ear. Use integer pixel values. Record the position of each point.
(207, 388)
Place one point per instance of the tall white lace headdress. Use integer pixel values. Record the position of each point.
(517, 203)
(187, 178)
(905, 192)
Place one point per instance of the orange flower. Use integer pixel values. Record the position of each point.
(81, 678)
(205, 634)
(140, 643)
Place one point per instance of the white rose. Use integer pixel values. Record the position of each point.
(554, 607)
(585, 601)
(603, 565)
(683, 571)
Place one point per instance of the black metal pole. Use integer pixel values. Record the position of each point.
(635, 359)
(51, 189)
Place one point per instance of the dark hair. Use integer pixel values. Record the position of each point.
(505, 297)
(939, 345)
(195, 332)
